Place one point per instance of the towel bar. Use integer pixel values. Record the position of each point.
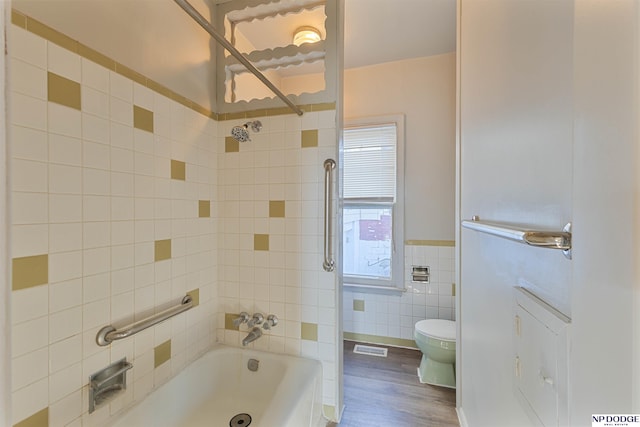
(545, 239)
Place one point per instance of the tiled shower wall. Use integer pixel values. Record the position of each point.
(270, 238)
(390, 318)
(113, 213)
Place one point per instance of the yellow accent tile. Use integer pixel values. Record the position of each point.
(228, 321)
(130, 74)
(63, 91)
(161, 353)
(52, 35)
(276, 208)
(261, 242)
(29, 271)
(142, 119)
(157, 87)
(309, 138)
(178, 170)
(256, 113)
(204, 208)
(358, 305)
(39, 419)
(309, 331)
(18, 19)
(97, 57)
(453, 289)
(231, 145)
(375, 339)
(195, 296)
(450, 243)
(234, 116)
(163, 250)
(323, 107)
(278, 111)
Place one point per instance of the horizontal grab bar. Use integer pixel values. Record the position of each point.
(109, 334)
(546, 239)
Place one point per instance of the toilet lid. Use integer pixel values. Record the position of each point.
(437, 328)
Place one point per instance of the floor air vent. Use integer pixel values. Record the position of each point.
(370, 350)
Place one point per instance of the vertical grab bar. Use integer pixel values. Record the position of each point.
(328, 263)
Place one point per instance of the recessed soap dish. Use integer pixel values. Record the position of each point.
(106, 383)
(420, 274)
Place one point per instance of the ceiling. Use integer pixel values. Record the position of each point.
(157, 39)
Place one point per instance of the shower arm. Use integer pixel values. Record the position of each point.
(191, 11)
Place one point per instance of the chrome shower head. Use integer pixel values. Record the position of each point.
(241, 133)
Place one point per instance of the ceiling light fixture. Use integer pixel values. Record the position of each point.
(306, 35)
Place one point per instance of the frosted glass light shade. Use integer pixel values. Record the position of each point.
(306, 35)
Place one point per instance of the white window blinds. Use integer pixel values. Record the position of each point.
(370, 162)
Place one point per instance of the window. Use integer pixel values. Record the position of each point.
(373, 211)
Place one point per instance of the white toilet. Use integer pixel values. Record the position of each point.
(437, 340)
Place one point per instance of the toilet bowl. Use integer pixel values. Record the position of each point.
(436, 338)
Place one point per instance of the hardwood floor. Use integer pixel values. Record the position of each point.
(386, 392)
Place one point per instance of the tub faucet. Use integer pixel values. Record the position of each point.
(242, 318)
(254, 334)
(257, 319)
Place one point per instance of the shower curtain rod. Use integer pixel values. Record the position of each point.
(191, 11)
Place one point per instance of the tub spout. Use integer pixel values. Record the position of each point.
(254, 334)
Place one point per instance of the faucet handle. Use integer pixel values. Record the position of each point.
(257, 319)
(242, 318)
(271, 321)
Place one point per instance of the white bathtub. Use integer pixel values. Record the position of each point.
(285, 391)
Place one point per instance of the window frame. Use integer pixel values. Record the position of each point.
(396, 282)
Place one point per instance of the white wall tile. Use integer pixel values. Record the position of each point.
(64, 295)
(96, 129)
(28, 79)
(95, 102)
(63, 62)
(64, 120)
(29, 176)
(29, 208)
(66, 411)
(96, 261)
(96, 181)
(28, 112)
(29, 304)
(95, 76)
(29, 368)
(29, 240)
(121, 87)
(30, 144)
(29, 400)
(65, 179)
(28, 47)
(121, 111)
(65, 324)
(65, 266)
(65, 208)
(65, 150)
(95, 155)
(65, 382)
(29, 336)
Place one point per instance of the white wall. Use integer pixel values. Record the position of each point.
(547, 135)
(605, 156)
(424, 90)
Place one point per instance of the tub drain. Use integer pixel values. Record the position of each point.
(240, 420)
